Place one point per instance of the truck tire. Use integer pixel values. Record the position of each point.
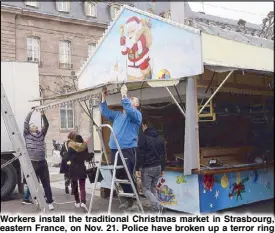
(8, 180)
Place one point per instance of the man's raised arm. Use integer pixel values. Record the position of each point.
(45, 123)
(105, 111)
(27, 123)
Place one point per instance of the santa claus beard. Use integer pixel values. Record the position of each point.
(130, 42)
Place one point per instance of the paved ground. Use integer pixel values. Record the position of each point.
(65, 203)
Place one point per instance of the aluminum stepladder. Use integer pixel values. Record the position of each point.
(21, 152)
(115, 182)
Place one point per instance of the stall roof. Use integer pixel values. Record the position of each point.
(227, 31)
(94, 92)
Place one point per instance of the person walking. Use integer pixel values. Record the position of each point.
(77, 169)
(150, 163)
(126, 125)
(35, 145)
(64, 168)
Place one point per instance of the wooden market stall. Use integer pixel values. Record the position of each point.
(216, 122)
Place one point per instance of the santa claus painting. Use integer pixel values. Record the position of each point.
(136, 46)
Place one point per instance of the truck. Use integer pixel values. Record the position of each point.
(21, 84)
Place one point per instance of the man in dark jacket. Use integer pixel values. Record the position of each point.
(35, 144)
(151, 160)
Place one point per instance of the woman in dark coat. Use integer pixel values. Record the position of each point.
(77, 169)
(64, 169)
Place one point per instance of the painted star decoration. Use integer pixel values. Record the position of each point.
(211, 205)
(217, 194)
(204, 191)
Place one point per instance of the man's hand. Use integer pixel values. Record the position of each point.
(103, 94)
(123, 91)
(138, 174)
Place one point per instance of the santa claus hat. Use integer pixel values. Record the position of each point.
(133, 21)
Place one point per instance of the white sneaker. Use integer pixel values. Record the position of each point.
(77, 205)
(51, 207)
(83, 205)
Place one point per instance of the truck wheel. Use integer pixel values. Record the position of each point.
(8, 180)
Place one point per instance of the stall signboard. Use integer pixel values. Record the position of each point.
(140, 46)
(174, 190)
(228, 190)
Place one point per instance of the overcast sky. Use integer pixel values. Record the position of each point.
(252, 12)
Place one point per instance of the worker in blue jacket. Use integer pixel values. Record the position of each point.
(126, 126)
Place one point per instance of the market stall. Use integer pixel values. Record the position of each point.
(208, 115)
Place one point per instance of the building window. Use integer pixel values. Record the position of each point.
(114, 9)
(32, 3)
(63, 6)
(66, 116)
(65, 52)
(33, 49)
(91, 9)
(91, 48)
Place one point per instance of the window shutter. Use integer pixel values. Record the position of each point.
(61, 52)
(86, 8)
(57, 6)
(68, 6)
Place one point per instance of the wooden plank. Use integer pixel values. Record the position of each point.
(223, 152)
(234, 169)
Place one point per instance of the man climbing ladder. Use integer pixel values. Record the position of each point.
(126, 127)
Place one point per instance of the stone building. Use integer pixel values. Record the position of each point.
(58, 35)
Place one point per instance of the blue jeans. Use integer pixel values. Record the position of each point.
(150, 177)
(27, 194)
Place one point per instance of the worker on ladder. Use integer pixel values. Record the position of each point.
(35, 144)
(126, 126)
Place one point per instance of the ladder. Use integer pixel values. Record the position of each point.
(21, 152)
(115, 182)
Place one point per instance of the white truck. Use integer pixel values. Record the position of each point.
(21, 84)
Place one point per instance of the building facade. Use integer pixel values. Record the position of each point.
(59, 36)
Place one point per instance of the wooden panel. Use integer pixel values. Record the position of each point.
(248, 79)
(106, 132)
(231, 156)
(222, 152)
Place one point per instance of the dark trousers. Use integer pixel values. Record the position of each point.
(67, 181)
(42, 172)
(130, 156)
(82, 190)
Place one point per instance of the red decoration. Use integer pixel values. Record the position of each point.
(208, 182)
(237, 190)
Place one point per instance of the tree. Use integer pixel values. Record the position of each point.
(268, 26)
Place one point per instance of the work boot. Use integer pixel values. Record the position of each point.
(134, 207)
(125, 205)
